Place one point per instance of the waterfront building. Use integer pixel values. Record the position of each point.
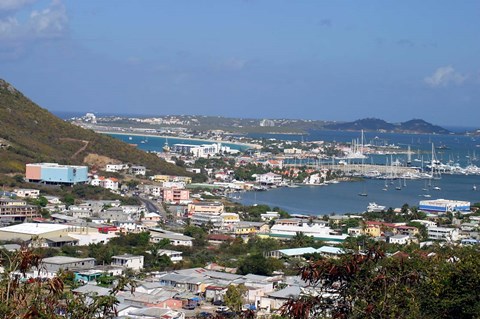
(444, 205)
(204, 150)
(315, 228)
(53, 173)
(269, 179)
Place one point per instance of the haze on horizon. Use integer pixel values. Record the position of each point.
(325, 60)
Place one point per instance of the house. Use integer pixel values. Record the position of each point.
(51, 265)
(26, 192)
(245, 228)
(138, 170)
(175, 256)
(128, 261)
(115, 167)
(151, 219)
(176, 239)
(108, 183)
(399, 239)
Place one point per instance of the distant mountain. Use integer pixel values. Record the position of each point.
(29, 133)
(372, 124)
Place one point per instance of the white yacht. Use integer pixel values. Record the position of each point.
(375, 208)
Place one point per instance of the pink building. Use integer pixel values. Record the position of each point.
(174, 195)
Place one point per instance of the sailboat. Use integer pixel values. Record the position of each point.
(474, 187)
(166, 147)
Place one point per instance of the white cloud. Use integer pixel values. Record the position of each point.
(12, 5)
(8, 27)
(445, 76)
(50, 22)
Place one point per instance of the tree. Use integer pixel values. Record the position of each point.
(372, 285)
(235, 297)
(257, 264)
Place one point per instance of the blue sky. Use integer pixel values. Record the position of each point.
(327, 60)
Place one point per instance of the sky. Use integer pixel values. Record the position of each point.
(321, 60)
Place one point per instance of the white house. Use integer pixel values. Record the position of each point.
(27, 193)
(138, 170)
(269, 179)
(115, 167)
(175, 256)
(399, 239)
(128, 261)
(443, 233)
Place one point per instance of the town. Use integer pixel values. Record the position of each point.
(191, 250)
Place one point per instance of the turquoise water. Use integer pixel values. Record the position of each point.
(156, 143)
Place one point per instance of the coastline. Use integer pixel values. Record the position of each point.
(249, 145)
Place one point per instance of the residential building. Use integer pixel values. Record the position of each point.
(13, 210)
(174, 195)
(108, 183)
(176, 239)
(53, 173)
(51, 265)
(26, 192)
(175, 256)
(116, 167)
(399, 239)
(443, 233)
(134, 262)
(138, 170)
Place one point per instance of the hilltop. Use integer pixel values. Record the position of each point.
(372, 124)
(29, 133)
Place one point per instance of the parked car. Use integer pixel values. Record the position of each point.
(218, 303)
(222, 309)
(189, 306)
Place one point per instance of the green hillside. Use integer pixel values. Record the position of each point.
(29, 133)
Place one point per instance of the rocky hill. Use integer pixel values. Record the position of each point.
(29, 133)
(372, 124)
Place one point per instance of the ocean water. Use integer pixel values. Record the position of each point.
(343, 197)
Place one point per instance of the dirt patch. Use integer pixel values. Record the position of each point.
(99, 161)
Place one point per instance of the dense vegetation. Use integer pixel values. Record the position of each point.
(32, 134)
(439, 283)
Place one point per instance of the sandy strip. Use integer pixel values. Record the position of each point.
(254, 146)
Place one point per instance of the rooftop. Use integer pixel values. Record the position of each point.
(34, 228)
(65, 260)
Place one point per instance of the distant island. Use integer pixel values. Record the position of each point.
(267, 126)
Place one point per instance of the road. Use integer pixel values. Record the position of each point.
(152, 207)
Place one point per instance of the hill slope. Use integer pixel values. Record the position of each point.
(29, 133)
